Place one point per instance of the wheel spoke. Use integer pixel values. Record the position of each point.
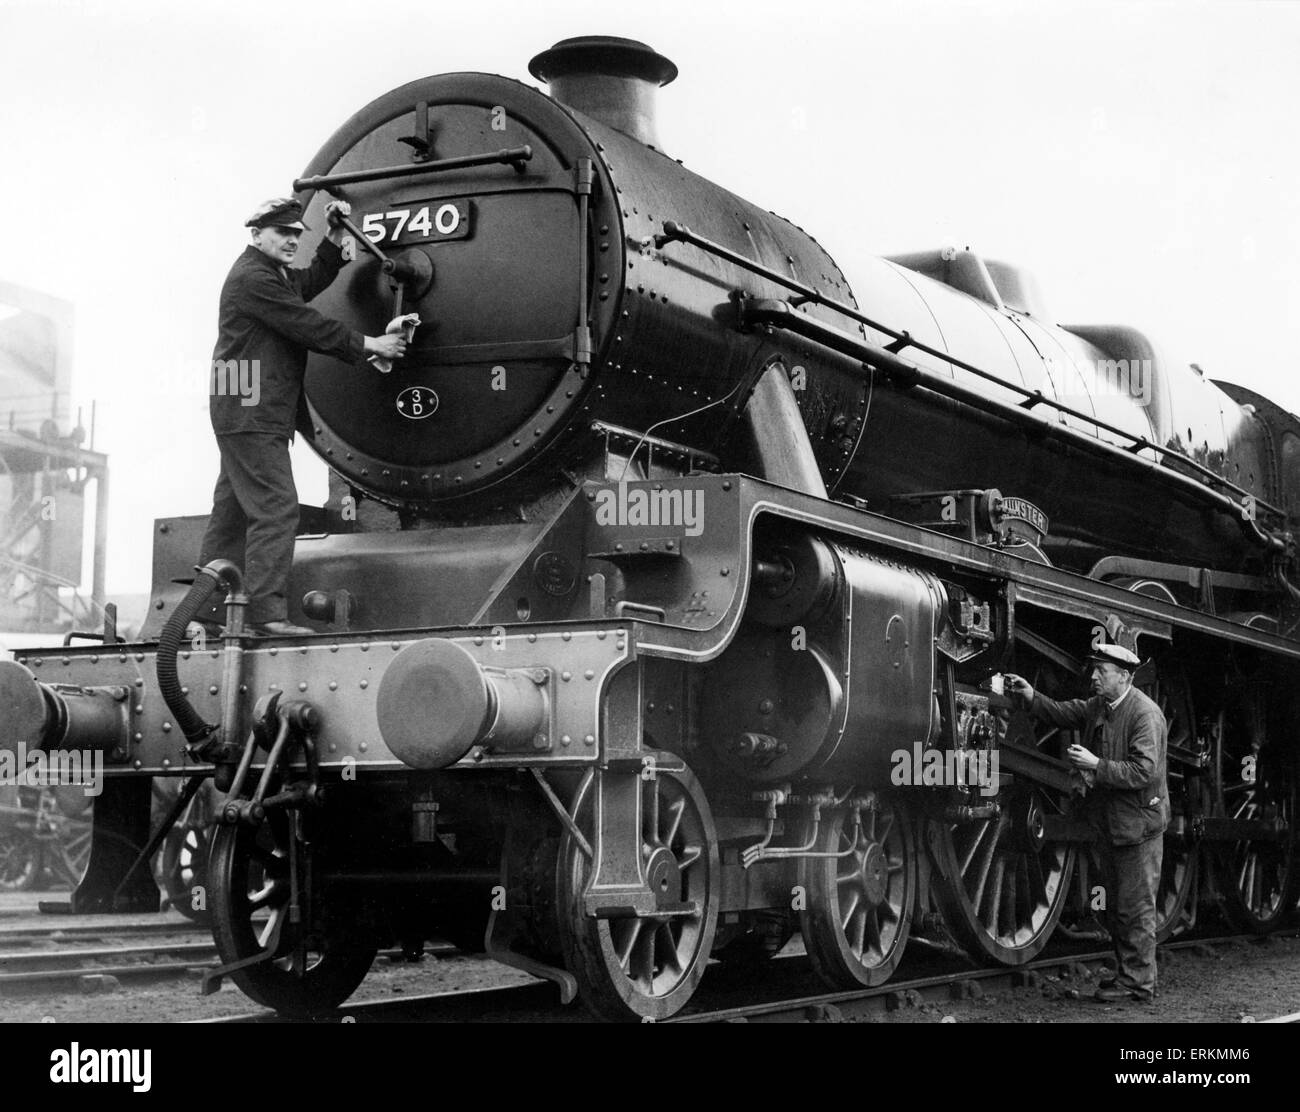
(987, 860)
(671, 959)
(625, 951)
(858, 936)
(643, 959)
(873, 935)
(267, 932)
(992, 904)
(985, 828)
(846, 916)
(689, 855)
(271, 894)
(1037, 881)
(676, 810)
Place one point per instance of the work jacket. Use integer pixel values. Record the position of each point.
(1129, 801)
(267, 326)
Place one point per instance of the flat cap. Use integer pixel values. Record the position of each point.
(1114, 654)
(278, 212)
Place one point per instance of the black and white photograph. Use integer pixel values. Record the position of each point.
(685, 513)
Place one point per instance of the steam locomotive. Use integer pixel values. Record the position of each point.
(664, 588)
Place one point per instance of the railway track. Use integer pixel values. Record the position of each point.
(719, 1002)
(35, 936)
(34, 969)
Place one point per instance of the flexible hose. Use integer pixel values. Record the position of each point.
(216, 574)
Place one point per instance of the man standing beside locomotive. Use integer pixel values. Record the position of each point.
(267, 327)
(1127, 805)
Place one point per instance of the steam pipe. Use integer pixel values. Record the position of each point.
(216, 574)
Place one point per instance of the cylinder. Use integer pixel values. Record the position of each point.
(436, 702)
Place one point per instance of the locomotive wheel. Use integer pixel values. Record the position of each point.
(1253, 779)
(183, 862)
(859, 910)
(1188, 799)
(318, 963)
(1001, 886)
(19, 861)
(70, 854)
(645, 968)
(184, 867)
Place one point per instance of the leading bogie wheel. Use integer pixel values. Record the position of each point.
(859, 897)
(646, 968)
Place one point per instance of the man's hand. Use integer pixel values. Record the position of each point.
(386, 346)
(1082, 758)
(1018, 687)
(336, 231)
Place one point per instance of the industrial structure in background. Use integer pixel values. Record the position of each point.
(44, 474)
(48, 470)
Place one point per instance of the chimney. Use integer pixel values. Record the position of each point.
(609, 79)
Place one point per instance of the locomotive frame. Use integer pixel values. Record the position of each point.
(610, 743)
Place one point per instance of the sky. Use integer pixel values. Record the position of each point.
(1140, 158)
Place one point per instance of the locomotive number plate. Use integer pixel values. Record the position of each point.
(422, 222)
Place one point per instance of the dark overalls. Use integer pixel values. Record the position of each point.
(1128, 809)
(266, 329)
